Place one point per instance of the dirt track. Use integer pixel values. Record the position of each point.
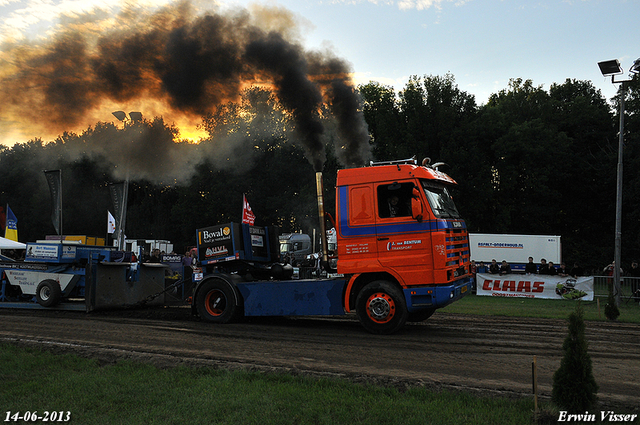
(489, 355)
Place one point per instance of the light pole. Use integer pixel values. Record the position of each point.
(122, 214)
(613, 68)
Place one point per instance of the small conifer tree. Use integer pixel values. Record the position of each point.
(574, 387)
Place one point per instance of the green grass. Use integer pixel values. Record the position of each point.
(130, 393)
(534, 307)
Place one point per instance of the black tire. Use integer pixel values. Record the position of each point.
(218, 301)
(421, 316)
(48, 293)
(381, 307)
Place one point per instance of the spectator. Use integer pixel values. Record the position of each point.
(634, 271)
(562, 270)
(634, 281)
(608, 271)
(155, 256)
(186, 260)
(194, 256)
(145, 256)
(576, 270)
(544, 267)
(473, 270)
(481, 268)
(530, 267)
(505, 268)
(494, 268)
(551, 271)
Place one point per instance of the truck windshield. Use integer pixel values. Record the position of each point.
(285, 247)
(440, 200)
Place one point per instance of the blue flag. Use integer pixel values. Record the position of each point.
(11, 229)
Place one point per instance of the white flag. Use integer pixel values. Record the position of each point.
(111, 223)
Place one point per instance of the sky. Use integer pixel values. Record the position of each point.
(483, 44)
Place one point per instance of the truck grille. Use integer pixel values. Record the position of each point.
(457, 247)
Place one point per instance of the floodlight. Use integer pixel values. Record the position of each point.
(120, 115)
(635, 68)
(135, 116)
(611, 67)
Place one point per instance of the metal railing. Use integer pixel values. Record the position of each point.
(629, 286)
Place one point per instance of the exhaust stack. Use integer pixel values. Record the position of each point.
(323, 230)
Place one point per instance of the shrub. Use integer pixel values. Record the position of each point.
(574, 387)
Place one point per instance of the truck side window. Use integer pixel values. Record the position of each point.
(394, 200)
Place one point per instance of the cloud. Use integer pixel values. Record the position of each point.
(409, 4)
(36, 19)
(427, 4)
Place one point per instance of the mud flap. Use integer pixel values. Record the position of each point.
(114, 286)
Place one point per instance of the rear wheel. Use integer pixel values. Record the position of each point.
(218, 301)
(48, 293)
(381, 307)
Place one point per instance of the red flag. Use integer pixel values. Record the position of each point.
(247, 214)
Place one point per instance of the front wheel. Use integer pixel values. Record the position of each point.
(381, 307)
(48, 293)
(218, 301)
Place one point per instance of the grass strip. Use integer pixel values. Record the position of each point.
(128, 392)
(540, 308)
(135, 393)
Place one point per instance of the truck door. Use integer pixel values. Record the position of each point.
(357, 229)
(404, 244)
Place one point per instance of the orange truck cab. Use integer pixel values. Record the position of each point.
(401, 243)
(402, 253)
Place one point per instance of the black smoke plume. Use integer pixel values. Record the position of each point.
(190, 63)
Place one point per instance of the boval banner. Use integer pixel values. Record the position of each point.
(535, 286)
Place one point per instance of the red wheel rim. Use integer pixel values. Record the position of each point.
(215, 302)
(381, 308)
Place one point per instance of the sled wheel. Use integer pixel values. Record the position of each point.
(421, 316)
(218, 301)
(381, 308)
(48, 293)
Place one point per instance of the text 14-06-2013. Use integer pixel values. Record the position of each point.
(35, 416)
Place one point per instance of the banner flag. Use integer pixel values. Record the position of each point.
(54, 178)
(111, 223)
(11, 229)
(119, 193)
(247, 215)
(535, 286)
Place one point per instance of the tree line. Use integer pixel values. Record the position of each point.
(529, 161)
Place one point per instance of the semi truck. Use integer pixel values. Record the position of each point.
(515, 249)
(69, 275)
(402, 253)
(399, 251)
(295, 247)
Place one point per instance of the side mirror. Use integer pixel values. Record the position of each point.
(416, 205)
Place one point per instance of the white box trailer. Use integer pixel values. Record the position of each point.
(515, 249)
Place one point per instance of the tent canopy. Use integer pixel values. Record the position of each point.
(9, 244)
